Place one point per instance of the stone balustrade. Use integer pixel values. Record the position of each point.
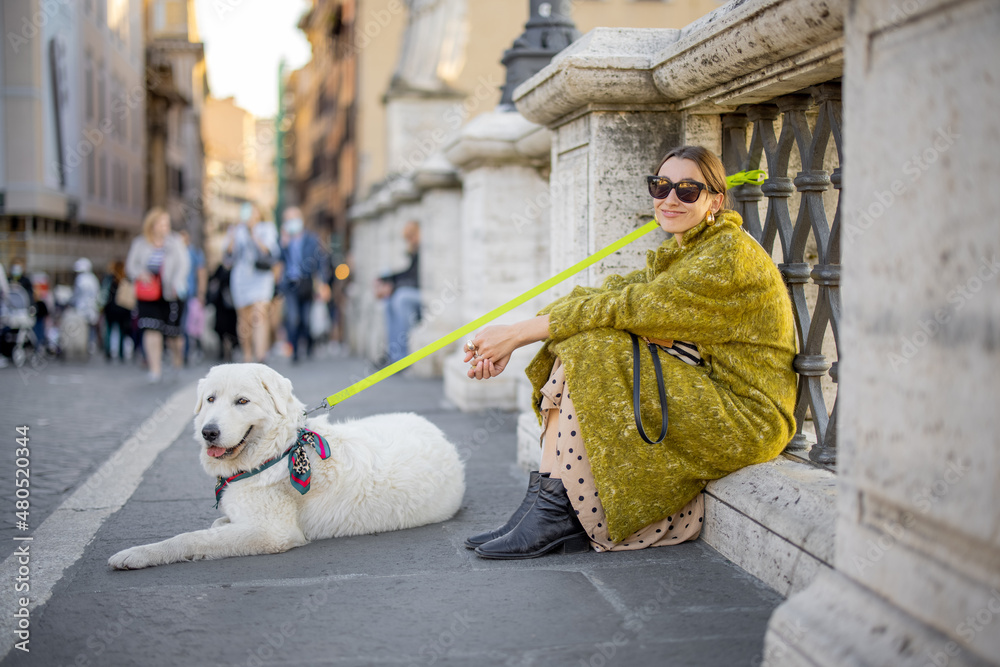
(760, 82)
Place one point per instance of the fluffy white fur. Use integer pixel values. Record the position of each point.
(384, 473)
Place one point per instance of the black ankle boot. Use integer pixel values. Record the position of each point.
(529, 500)
(550, 524)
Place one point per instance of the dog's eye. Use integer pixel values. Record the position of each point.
(210, 399)
(241, 401)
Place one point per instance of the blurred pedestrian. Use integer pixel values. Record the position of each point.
(252, 252)
(117, 318)
(44, 306)
(86, 293)
(220, 296)
(18, 276)
(401, 292)
(304, 265)
(194, 311)
(158, 262)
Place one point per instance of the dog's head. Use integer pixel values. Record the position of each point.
(245, 414)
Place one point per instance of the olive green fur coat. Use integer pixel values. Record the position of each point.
(719, 290)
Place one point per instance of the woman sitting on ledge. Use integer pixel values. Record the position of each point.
(713, 302)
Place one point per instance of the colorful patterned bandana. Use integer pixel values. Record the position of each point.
(299, 468)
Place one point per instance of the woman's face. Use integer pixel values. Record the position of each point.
(161, 228)
(675, 216)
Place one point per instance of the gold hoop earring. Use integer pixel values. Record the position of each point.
(711, 217)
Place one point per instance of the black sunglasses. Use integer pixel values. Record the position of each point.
(688, 191)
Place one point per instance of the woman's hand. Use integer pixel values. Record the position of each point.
(383, 288)
(485, 369)
(495, 342)
(491, 348)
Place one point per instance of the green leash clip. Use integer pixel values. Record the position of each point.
(754, 176)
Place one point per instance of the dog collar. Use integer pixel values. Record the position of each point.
(299, 468)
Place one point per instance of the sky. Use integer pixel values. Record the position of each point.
(244, 42)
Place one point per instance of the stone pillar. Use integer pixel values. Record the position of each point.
(504, 240)
(440, 262)
(608, 135)
(917, 562)
(364, 322)
(377, 249)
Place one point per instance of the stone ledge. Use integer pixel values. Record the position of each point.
(499, 137)
(605, 66)
(745, 51)
(776, 520)
(742, 37)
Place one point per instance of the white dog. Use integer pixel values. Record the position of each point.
(381, 473)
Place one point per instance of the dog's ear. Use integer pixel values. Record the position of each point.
(201, 395)
(279, 388)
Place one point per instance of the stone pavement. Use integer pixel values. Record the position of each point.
(413, 597)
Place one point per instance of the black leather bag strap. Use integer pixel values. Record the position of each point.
(636, 397)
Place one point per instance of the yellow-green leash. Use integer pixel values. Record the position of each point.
(429, 349)
(755, 176)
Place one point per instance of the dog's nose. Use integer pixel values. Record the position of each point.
(210, 432)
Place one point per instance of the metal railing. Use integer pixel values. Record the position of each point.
(806, 143)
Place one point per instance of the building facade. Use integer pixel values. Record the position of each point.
(177, 88)
(322, 120)
(72, 132)
(229, 132)
(240, 167)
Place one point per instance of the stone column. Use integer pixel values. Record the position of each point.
(917, 563)
(377, 249)
(610, 129)
(364, 323)
(440, 261)
(504, 239)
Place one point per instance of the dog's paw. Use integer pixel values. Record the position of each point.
(135, 558)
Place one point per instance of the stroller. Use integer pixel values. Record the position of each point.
(17, 322)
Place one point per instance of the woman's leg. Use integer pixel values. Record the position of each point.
(123, 331)
(261, 330)
(106, 338)
(564, 455)
(534, 483)
(291, 321)
(176, 344)
(152, 345)
(244, 331)
(572, 466)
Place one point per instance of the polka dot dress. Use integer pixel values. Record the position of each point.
(570, 464)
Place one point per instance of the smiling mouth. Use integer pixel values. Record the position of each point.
(221, 452)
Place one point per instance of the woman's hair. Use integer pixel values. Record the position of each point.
(151, 217)
(710, 165)
(118, 270)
